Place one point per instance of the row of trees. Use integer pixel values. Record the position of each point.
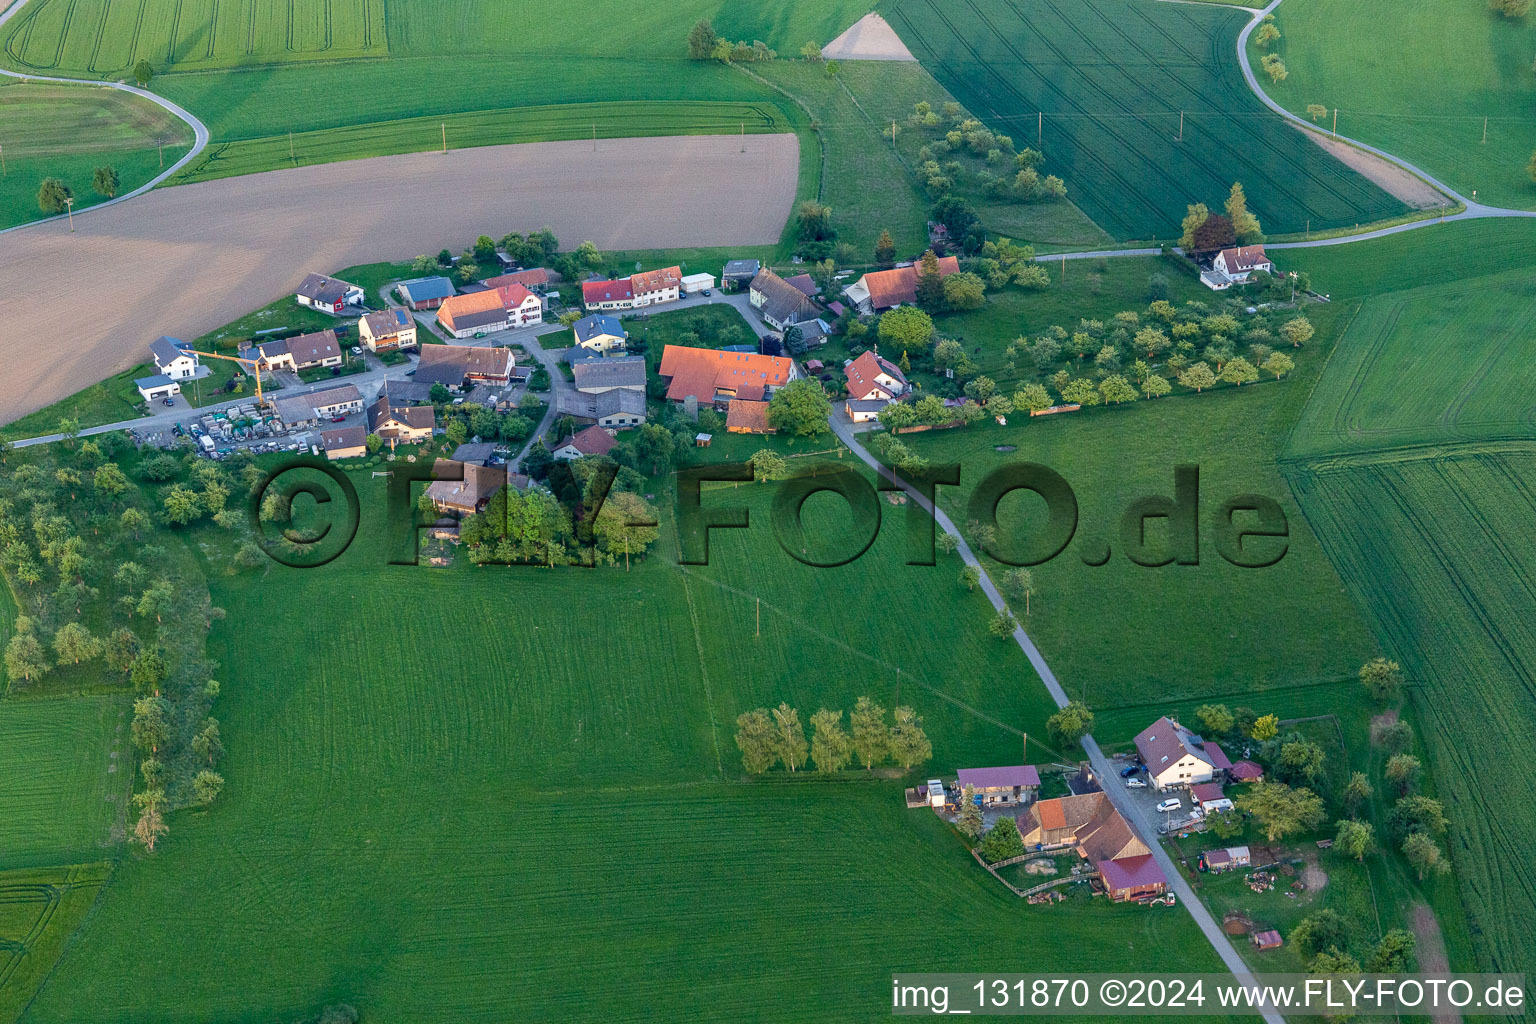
(769, 737)
(1324, 939)
(704, 43)
(1204, 231)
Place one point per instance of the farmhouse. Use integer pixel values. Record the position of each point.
(608, 295)
(174, 358)
(468, 494)
(495, 309)
(613, 408)
(873, 378)
(424, 293)
(1131, 878)
(459, 366)
(1209, 797)
(778, 302)
(1236, 266)
(592, 441)
(299, 353)
(594, 376)
(739, 272)
(1227, 860)
(344, 443)
(599, 333)
(744, 416)
(1016, 784)
(156, 387)
(387, 330)
(327, 294)
(657, 286)
(886, 289)
(1174, 756)
(401, 422)
(861, 410)
(714, 377)
(308, 410)
(645, 289)
(535, 279)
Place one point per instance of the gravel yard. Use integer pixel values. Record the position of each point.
(183, 261)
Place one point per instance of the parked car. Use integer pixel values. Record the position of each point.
(1136, 783)
(707, 292)
(357, 350)
(170, 401)
(1172, 804)
(1126, 773)
(338, 419)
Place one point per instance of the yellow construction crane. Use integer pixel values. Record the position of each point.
(252, 364)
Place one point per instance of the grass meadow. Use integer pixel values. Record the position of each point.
(519, 767)
(66, 132)
(1422, 89)
(64, 780)
(39, 909)
(1412, 463)
(1111, 78)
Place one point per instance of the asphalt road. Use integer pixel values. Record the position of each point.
(1133, 811)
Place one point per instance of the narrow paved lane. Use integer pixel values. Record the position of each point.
(1113, 788)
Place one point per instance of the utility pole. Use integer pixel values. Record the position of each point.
(594, 136)
(1485, 131)
(759, 617)
(3, 173)
(69, 209)
(290, 146)
(893, 133)
(445, 136)
(1063, 268)
(1040, 128)
(1181, 127)
(1335, 122)
(160, 145)
(743, 136)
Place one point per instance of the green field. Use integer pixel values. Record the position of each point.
(1422, 90)
(39, 909)
(66, 132)
(417, 799)
(1412, 464)
(64, 779)
(1110, 78)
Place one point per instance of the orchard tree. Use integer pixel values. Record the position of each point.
(1274, 67)
(1280, 809)
(74, 643)
(1320, 930)
(1071, 723)
(1393, 954)
(1382, 678)
(1116, 389)
(150, 828)
(1266, 35)
(143, 71)
(1354, 838)
(1278, 364)
(1265, 728)
(1155, 386)
(151, 726)
(1402, 770)
(1357, 791)
(1226, 824)
(1316, 110)
(906, 329)
(1424, 854)
(1032, 396)
(206, 787)
(25, 657)
(1198, 376)
(1297, 331)
(1416, 813)
(800, 407)
(1002, 625)
(1239, 371)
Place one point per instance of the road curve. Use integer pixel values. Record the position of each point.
(199, 130)
(1218, 939)
(1473, 209)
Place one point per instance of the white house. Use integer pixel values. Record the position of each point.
(387, 329)
(327, 294)
(174, 358)
(1174, 756)
(872, 378)
(656, 286)
(1235, 266)
(157, 387)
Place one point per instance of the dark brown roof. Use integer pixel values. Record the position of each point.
(314, 348)
(343, 437)
(451, 364)
(592, 441)
(749, 416)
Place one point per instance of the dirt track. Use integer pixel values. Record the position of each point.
(75, 308)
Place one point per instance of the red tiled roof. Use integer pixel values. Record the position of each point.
(656, 280)
(1246, 771)
(1207, 791)
(1219, 759)
(1052, 814)
(463, 305)
(893, 287)
(594, 292)
(745, 415)
(592, 441)
(703, 371)
(1244, 257)
(512, 295)
(862, 371)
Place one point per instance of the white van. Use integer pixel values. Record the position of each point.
(1169, 805)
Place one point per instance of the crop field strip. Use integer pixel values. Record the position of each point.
(1130, 152)
(39, 909)
(1439, 547)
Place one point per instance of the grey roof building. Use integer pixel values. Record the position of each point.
(607, 405)
(741, 271)
(593, 375)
